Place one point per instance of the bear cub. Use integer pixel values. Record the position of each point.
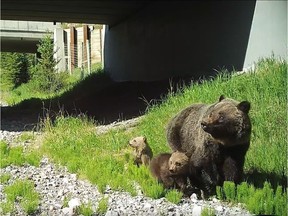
(142, 151)
(171, 169)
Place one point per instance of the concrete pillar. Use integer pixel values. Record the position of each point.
(85, 38)
(179, 38)
(59, 49)
(73, 49)
(268, 32)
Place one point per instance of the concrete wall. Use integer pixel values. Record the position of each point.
(23, 36)
(187, 38)
(268, 32)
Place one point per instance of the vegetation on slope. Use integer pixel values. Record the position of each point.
(106, 159)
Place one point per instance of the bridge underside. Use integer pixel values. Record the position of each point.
(22, 45)
(152, 40)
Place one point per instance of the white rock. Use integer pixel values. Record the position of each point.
(197, 210)
(111, 213)
(147, 206)
(194, 198)
(73, 177)
(65, 180)
(68, 211)
(74, 203)
(219, 208)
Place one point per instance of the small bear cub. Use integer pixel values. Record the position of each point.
(142, 151)
(171, 169)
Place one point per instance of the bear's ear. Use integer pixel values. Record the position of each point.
(144, 139)
(244, 106)
(221, 98)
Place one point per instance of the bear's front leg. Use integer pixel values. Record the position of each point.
(232, 170)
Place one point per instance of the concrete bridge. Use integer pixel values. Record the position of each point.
(153, 40)
(23, 36)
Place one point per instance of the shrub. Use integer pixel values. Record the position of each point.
(174, 196)
(258, 201)
(15, 69)
(229, 191)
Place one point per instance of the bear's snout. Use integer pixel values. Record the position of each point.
(171, 170)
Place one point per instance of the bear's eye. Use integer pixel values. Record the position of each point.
(221, 118)
(178, 164)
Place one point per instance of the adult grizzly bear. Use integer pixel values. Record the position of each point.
(217, 136)
(171, 169)
(142, 151)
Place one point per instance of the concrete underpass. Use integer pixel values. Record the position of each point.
(151, 40)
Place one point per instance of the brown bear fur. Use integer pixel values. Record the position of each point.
(142, 151)
(171, 169)
(217, 136)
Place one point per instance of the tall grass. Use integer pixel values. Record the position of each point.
(105, 159)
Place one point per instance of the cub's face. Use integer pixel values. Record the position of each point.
(178, 163)
(139, 144)
(228, 119)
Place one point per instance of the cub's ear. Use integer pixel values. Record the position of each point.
(188, 154)
(144, 139)
(244, 106)
(221, 98)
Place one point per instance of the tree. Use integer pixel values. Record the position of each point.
(15, 69)
(44, 72)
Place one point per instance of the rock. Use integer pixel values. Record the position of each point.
(147, 206)
(219, 209)
(197, 210)
(68, 211)
(74, 203)
(194, 198)
(111, 213)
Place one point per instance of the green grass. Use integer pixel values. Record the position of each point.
(21, 191)
(17, 157)
(208, 212)
(102, 206)
(29, 90)
(4, 178)
(85, 210)
(174, 196)
(104, 159)
(259, 201)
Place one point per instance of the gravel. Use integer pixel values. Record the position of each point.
(61, 192)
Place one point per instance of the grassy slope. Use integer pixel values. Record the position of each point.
(265, 89)
(74, 142)
(106, 159)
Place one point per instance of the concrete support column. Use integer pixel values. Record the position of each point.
(268, 32)
(85, 38)
(73, 49)
(59, 49)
